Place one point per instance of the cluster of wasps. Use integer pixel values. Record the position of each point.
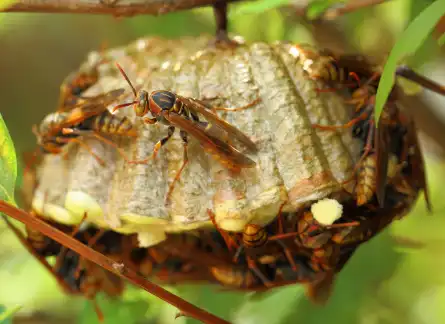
(295, 247)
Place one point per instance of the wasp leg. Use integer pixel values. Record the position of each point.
(87, 147)
(238, 253)
(364, 115)
(91, 242)
(249, 105)
(157, 147)
(288, 255)
(64, 249)
(252, 266)
(185, 160)
(150, 121)
(280, 225)
(99, 137)
(230, 242)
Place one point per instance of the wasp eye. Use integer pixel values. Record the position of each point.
(141, 107)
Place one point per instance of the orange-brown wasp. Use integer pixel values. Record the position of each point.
(73, 87)
(88, 117)
(176, 111)
(77, 82)
(253, 242)
(378, 141)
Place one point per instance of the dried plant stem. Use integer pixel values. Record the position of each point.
(110, 265)
(349, 7)
(341, 9)
(118, 8)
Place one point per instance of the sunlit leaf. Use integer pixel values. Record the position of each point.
(8, 164)
(410, 40)
(282, 301)
(115, 311)
(259, 6)
(212, 299)
(7, 314)
(6, 3)
(317, 8)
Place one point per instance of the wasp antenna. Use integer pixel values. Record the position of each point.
(355, 77)
(35, 131)
(126, 78)
(123, 106)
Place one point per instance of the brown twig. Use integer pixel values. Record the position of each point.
(341, 9)
(351, 6)
(427, 120)
(110, 265)
(117, 8)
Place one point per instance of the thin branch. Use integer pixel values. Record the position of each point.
(427, 120)
(351, 6)
(110, 265)
(340, 9)
(117, 8)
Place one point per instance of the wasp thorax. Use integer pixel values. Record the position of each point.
(141, 106)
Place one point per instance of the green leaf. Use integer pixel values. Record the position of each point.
(5, 316)
(410, 40)
(259, 6)
(317, 8)
(441, 40)
(115, 311)
(272, 307)
(8, 164)
(6, 3)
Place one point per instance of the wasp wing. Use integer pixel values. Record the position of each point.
(381, 149)
(417, 163)
(90, 107)
(209, 142)
(203, 109)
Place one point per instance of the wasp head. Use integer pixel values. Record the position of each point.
(141, 105)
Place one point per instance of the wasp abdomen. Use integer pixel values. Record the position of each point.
(254, 236)
(110, 124)
(366, 182)
(233, 277)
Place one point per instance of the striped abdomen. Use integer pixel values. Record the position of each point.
(42, 244)
(366, 180)
(254, 235)
(110, 124)
(51, 122)
(233, 277)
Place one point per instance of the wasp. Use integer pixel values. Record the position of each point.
(73, 87)
(253, 238)
(378, 141)
(176, 111)
(325, 66)
(351, 71)
(89, 117)
(234, 277)
(77, 82)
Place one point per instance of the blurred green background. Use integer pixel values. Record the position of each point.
(385, 281)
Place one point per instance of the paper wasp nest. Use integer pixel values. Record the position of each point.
(295, 165)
